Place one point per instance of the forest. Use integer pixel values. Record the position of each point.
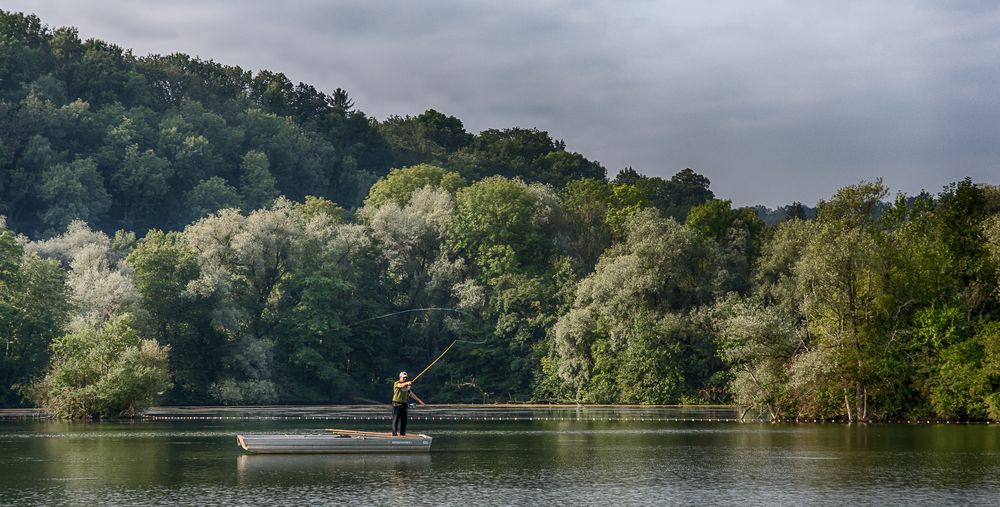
(178, 231)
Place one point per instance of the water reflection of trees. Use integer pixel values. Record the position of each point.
(84, 454)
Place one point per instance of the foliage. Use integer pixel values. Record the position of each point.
(399, 184)
(674, 197)
(757, 341)
(287, 248)
(33, 309)
(636, 305)
(528, 154)
(104, 371)
(95, 133)
(256, 183)
(887, 304)
(865, 313)
(162, 267)
(429, 136)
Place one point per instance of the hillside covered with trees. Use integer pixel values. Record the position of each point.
(179, 231)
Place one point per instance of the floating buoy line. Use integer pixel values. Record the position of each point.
(480, 417)
(530, 419)
(444, 418)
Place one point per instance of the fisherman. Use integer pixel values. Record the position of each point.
(400, 392)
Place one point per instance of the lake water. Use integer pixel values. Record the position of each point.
(524, 456)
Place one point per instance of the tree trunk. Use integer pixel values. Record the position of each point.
(744, 413)
(847, 405)
(864, 407)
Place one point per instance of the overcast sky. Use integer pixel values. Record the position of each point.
(774, 101)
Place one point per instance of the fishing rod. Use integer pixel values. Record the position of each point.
(438, 358)
(429, 309)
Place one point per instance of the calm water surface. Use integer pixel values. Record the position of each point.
(577, 457)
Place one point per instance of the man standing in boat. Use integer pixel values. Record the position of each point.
(400, 394)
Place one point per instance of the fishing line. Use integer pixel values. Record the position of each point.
(431, 309)
(481, 342)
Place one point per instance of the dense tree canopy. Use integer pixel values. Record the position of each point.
(875, 311)
(180, 231)
(90, 131)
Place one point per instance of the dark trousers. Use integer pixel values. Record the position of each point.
(399, 418)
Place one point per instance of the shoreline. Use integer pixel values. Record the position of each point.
(454, 412)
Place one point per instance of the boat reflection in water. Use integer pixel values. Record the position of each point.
(253, 467)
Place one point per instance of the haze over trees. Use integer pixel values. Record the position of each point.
(180, 231)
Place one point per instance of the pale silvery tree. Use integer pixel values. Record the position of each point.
(574, 335)
(65, 246)
(100, 290)
(757, 342)
(100, 285)
(412, 241)
(410, 236)
(546, 204)
(243, 260)
(840, 276)
(633, 305)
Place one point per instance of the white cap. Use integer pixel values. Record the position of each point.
(403, 374)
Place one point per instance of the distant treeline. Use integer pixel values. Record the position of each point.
(187, 232)
(91, 131)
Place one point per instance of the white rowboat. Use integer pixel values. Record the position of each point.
(335, 442)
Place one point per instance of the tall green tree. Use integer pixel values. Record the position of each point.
(73, 191)
(588, 204)
(162, 267)
(210, 196)
(504, 229)
(256, 183)
(739, 231)
(33, 310)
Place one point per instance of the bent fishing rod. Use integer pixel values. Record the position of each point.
(430, 309)
(438, 358)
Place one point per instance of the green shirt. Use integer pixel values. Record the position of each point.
(399, 394)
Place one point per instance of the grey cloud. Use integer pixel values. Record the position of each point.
(774, 101)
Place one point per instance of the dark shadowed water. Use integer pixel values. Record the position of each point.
(576, 457)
